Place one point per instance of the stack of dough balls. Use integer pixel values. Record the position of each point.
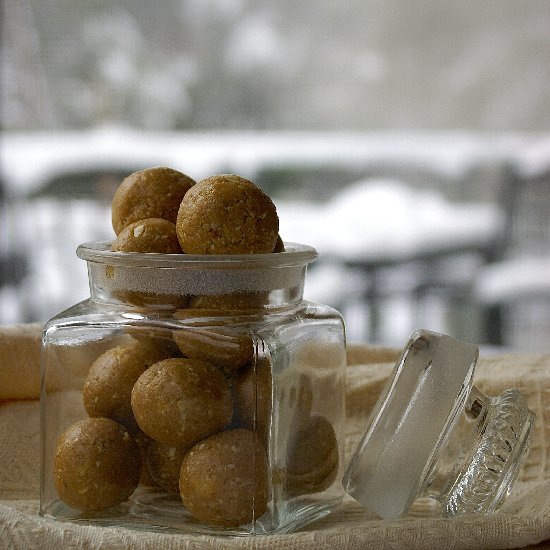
(162, 210)
(192, 416)
(152, 407)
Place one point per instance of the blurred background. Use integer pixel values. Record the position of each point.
(409, 142)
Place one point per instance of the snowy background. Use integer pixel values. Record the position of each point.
(409, 142)
(258, 64)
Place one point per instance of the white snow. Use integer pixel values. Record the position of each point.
(510, 280)
(387, 220)
(27, 160)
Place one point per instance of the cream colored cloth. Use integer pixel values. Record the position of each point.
(523, 520)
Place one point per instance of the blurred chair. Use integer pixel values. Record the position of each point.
(515, 288)
(12, 262)
(96, 183)
(68, 208)
(13, 267)
(416, 253)
(431, 289)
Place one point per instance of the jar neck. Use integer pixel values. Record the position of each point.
(482, 454)
(114, 287)
(174, 281)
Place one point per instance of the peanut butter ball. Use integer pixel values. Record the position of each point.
(252, 397)
(150, 336)
(143, 441)
(151, 193)
(148, 235)
(164, 463)
(223, 479)
(227, 214)
(143, 299)
(312, 457)
(97, 464)
(232, 303)
(180, 401)
(213, 340)
(108, 385)
(279, 245)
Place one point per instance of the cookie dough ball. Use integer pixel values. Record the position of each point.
(164, 462)
(110, 380)
(223, 479)
(227, 214)
(151, 193)
(156, 338)
(279, 245)
(180, 401)
(97, 464)
(234, 302)
(300, 399)
(252, 397)
(148, 235)
(227, 347)
(143, 442)
(143, 299)
(312, 457)
(67, 366)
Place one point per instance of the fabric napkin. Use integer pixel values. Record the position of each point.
(523, 520)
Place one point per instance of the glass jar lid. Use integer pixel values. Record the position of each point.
(433, 434)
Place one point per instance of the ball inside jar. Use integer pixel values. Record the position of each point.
(148, 236)
(109, 382)
(312, 456)
(209, 335)
(164, 463)
(252, 397)
(97, 464)
(223, 479)
(180, 401)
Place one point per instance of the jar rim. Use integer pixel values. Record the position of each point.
(100, 252)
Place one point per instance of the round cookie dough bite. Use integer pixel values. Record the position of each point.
(109, 382)
(151, 193)
(252, 397)
(279, 245)
(148, 235)
(209, 336)
(157, 338)
(97, 464)
(180, 401)
(164, 463)
(227, 214)
(312, 457)
(231, 303)
(223, 479)
(142, 299)
(143, 442)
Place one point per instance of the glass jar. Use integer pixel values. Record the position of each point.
(197, 393)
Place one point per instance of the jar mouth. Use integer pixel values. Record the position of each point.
(152, 278)
(295, 254)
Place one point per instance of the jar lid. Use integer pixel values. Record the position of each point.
(425, 395)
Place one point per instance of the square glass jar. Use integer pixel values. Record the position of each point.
(194, 393)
